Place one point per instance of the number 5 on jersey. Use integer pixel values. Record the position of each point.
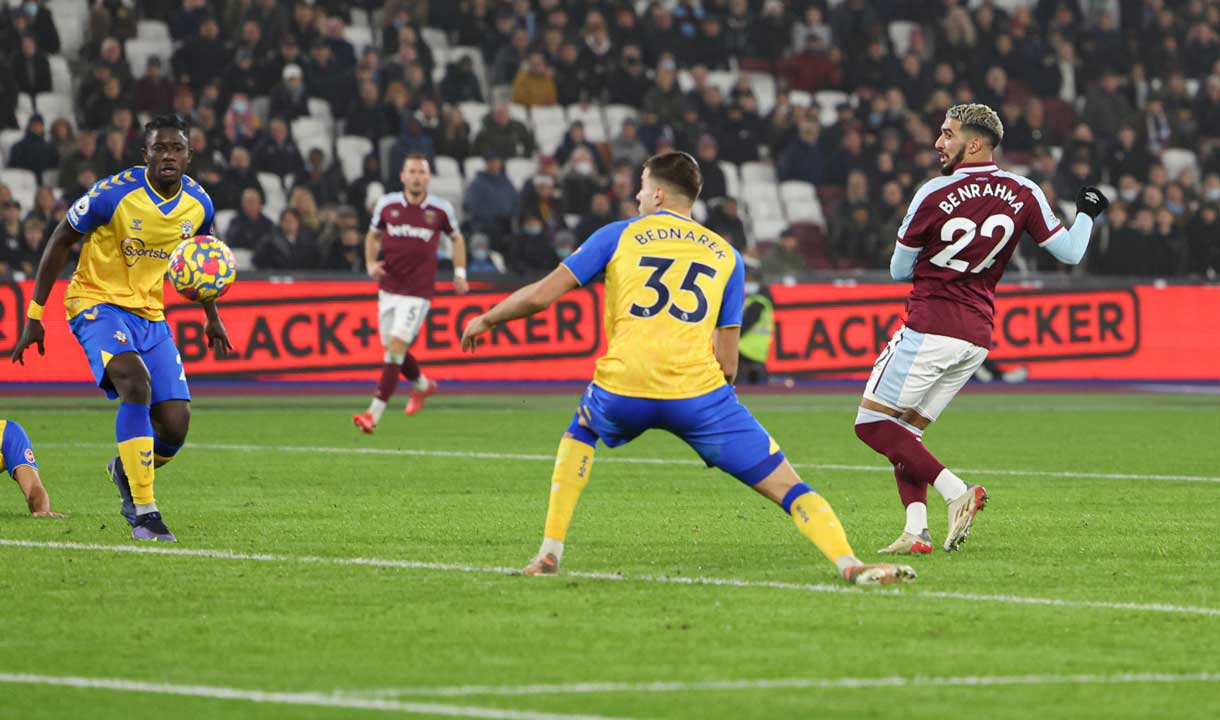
(655, 282)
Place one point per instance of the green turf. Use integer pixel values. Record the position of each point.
(322, 627)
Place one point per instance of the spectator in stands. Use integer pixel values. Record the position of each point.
(460, 83)
(245, 75)
(322, 179)
(573, 139)
(413, 139)
(598, 216)
(329, 79)
(664, 98)
(504, 136)
(510, 58)
(41, 24)
(288, 52)
(572, 75)
(186, 20)
(1106, 108)
(481, 259)
(370, 174)
(1129, 156)
(84, 156)
(63, 136)
(250, 227)
(44, 207)
(270, 15)
(367, 117)
(241, 124)
(491, 202)
(804, 159)
(724, 219)
(289, 98)
(708, 155)
(31, 67)
(11, 242)
(33, 152)
(348, 253)
(115, 157)
(303, 25)
(343, 51)
(201, 58)
(33, 236)
(535, 83)
(277, 152)
(236, 178)
(784, 258)
(1203, 239)
(453, 136)
(96, 109)
(628, 82)
(1172, 253)
(531, 250)
(290, 247)
(541, 198)
(153, 93)
(856, 240)
(581, 181)
(626, 147)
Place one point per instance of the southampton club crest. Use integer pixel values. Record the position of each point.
(188, 229)
(121, 337)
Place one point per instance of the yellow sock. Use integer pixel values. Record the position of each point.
(817, 521)
(137, 456)
(572, 465)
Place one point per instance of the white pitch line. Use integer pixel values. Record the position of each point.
(659, 579)
(286, 698)
(842, 683)
(477, 455)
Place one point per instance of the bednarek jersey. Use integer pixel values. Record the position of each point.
(670, 282)
(130, 232)
(966, 226)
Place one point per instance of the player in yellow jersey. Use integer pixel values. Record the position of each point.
(17, 457)
(130, 224)
(674, 293)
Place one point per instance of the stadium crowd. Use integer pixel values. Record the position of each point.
(813, 121)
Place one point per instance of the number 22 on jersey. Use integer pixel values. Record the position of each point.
(960, 232)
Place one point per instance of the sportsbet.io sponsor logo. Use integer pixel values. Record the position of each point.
(134, 250)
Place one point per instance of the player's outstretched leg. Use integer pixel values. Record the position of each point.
(573, 462)
(386, 384)
(422, 388)
(817, 521)
(902, 445)
(134, 435)
(915, 538)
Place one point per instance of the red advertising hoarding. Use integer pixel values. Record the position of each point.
(327, 330)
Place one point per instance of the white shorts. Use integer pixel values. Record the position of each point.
(400, 316)
(922, 372)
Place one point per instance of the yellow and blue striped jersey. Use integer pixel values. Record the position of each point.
(670, 282)
(130, 232)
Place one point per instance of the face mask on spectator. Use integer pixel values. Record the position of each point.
(30, 8)
(752, 288)
(1130, 195)
(1212, 194)
(584, 168)
(563, 251)
(532, 231)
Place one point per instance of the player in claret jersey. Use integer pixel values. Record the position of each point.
(674, 293)
(957, 237)
(400, 250)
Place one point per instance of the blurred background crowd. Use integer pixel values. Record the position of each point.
(813, 120)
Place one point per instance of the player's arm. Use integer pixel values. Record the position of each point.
(725, 342)
(728, 324)
(530, 299)
(215, 331)
(910, 234)
(459, 263)
(1069, 246)
(36, 497)
(372, 248)
(54, 257)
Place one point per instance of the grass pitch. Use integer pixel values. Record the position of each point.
(1088, 589)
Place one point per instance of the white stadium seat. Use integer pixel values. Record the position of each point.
(795, 191)
(352, 150)
(23, 185)
(273, 190)
(9, 138)
(757, 172)
(473, 166)
(223, 218)
(520, 170)
(615, 115)
(805, 211)
(447, 166)
(473, 113)
(767, 229)
(548, 115)
(591, 116)
(732, 181)
(153, 30)
(320, 110)
(900, 36)
(448, 187)
(360, 36)
(61, 75)
(1177, 161)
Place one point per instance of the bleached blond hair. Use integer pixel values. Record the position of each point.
(980, 119)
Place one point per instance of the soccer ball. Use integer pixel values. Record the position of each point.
(202, 268)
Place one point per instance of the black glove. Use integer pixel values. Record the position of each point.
(1091, 201)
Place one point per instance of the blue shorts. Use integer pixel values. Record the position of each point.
(105, 331)
(15, 448)
(715, 425)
